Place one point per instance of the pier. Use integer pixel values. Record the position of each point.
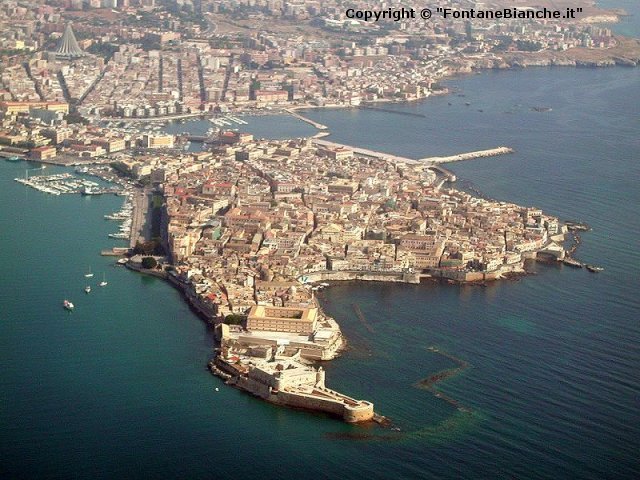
(114, 252)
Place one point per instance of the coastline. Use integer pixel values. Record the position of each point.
(625, 54)
(542, 372)
(207, 315)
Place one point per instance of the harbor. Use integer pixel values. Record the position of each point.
(132, 216)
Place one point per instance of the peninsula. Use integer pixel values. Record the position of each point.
(254, 228)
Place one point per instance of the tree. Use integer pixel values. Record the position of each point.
(234, 319)
(149, 263)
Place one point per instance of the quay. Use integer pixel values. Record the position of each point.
(294, 114)
(365, 152)
(450, 176)
(18, 153)
(159, 119)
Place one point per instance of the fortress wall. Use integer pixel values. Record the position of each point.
(253, 387)
(308, 402)
(353, 414)
(360, 413)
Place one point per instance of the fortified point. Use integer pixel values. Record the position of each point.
(285, 380)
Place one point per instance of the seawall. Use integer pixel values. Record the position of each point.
(346, 275)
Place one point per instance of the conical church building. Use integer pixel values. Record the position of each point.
(68, 46)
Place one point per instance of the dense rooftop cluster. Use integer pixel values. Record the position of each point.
(146, 60)
(264, 211)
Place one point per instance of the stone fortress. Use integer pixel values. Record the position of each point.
(271, 360)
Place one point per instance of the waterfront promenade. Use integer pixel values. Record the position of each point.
(140, 222)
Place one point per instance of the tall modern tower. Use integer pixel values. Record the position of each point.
(68, 46)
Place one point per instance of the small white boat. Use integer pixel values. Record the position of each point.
(103, 283)
(68, 305)
(89, 274)
(87, 289)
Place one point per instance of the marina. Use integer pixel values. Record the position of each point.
(64, 183)
(227, 121)
(124, 215)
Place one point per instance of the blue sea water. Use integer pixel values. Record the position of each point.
(553, 386)
(118, 388)
(628, 25)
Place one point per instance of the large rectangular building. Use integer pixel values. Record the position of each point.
(12, 108)
(158, 141)
(283, 319)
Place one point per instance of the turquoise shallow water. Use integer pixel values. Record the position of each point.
(119, 387)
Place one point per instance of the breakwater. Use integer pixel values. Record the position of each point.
(492, 152)
(430, 382)
(294, 114)
(432, 160)
(389, 110)
(361, 317)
